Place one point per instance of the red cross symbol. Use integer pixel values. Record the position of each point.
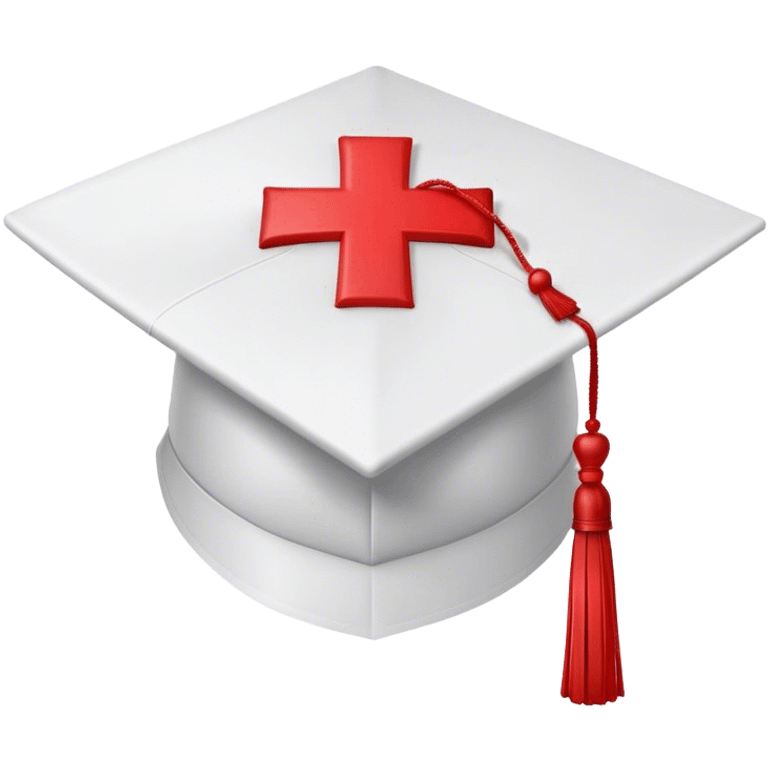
(374, 214)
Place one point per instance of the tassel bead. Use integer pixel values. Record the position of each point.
(559, 306)
(539, 280)
(592, 503)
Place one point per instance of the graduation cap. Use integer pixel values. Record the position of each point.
(374, 406)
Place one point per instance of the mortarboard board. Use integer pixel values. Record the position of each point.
(333, 451)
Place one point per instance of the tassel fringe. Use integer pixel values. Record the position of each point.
(558, 304)
(592, 672)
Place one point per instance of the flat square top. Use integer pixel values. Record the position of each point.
(172, 242)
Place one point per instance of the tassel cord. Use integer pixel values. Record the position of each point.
(589, 331)
(568, 314)
(490, 215)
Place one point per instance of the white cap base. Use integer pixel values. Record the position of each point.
(367, 600)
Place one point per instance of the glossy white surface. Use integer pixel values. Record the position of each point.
(368, 600)
(171, 241)
(464, 482)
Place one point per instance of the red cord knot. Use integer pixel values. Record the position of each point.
(591, 504)
(556, 303)
(539, 280)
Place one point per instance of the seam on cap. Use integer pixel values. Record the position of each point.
(371, 561)
(520, 280)
(237, 271)
(211, 283)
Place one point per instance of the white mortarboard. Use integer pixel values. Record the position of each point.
(374, 468)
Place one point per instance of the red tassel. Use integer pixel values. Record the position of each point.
(592, 671)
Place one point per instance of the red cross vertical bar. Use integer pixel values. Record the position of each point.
(374, 215)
